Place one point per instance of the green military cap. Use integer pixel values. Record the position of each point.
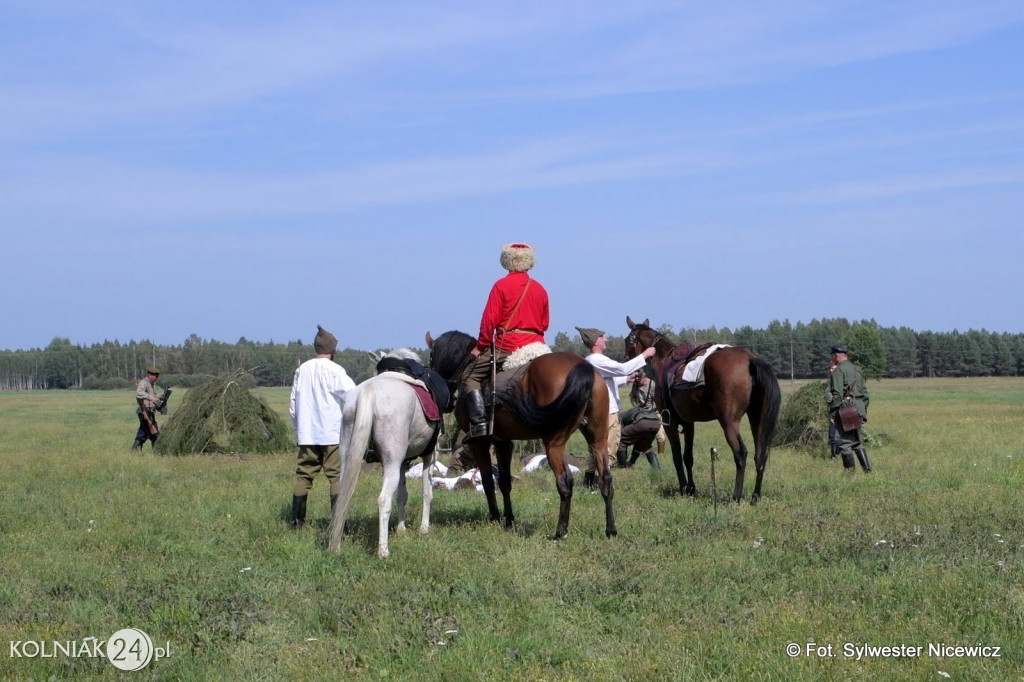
(325, 342)
(153, 370)
(590, 335)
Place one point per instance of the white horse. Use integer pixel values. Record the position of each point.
(385, 412)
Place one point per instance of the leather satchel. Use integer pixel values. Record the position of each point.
(849, 418)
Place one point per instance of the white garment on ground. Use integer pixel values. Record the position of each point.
(615, 374)
(416, 470)
(538, 461)
(318, 390)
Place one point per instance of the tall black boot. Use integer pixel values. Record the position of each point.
(865, 463)
(620, 457)
(835, 449)
(477, 415)
(848, 462)
(653, 459)
(299, 510)
(589, 480)
(634, 456)
(137, 445)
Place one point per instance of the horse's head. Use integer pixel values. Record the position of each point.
(449, 353)
(640, 337)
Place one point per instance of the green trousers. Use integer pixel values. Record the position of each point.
(312, 460)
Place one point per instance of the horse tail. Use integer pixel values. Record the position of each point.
(767, 385)
(355, 439)
(551, 418)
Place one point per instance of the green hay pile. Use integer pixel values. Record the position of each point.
(221, 416)
(803, 421)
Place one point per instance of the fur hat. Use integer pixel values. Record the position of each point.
(589, 335)
(324, 342)
(518, 257)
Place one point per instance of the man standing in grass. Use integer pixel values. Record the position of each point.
(845, 388)
(149, 403)
(318, 388)
(615, 374)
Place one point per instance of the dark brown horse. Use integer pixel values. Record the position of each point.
(548, 400)
(735, 383)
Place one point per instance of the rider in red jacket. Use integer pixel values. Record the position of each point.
(516, 314)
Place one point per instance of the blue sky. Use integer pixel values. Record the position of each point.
(254, 169)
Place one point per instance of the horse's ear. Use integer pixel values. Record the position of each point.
(375, 356)
(629, 322)
(647, 322)
(430, 340)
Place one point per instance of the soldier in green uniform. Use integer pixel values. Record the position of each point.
(846, 387)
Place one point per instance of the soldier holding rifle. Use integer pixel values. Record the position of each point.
(149, 404)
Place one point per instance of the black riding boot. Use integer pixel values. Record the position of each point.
(653, 459)
(865, 463)
(835, 449)
(137, 445)
(848, 462)
(477, 415)
(634, 456)
(299, 510)
(589, 480)
(620, 457)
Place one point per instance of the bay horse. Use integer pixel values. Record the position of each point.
(384, 412)
(735, 383)
(548, 400)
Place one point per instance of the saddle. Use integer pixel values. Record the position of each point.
(675, 362)
(435, 383)
(434, 400)
(505, 382)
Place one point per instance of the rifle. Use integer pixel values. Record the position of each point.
(150, 422)
(147, 412)
(161, 404)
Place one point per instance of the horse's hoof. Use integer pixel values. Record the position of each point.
(613, 533)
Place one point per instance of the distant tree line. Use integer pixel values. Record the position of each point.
(115, 365)
(797, 351)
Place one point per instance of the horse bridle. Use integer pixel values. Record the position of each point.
(633, 337)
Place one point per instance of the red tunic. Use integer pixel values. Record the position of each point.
(530, 320)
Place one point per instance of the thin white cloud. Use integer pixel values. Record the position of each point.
(185, 65)
(114, 194)
(901, 185)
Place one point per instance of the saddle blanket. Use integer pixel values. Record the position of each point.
(693, 373)
(430, 408)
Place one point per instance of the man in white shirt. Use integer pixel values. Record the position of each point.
(615, 375)
(318, 390)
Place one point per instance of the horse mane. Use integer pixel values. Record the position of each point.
(449, 352)
(681, 351)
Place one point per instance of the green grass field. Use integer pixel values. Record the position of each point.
(195, 551)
